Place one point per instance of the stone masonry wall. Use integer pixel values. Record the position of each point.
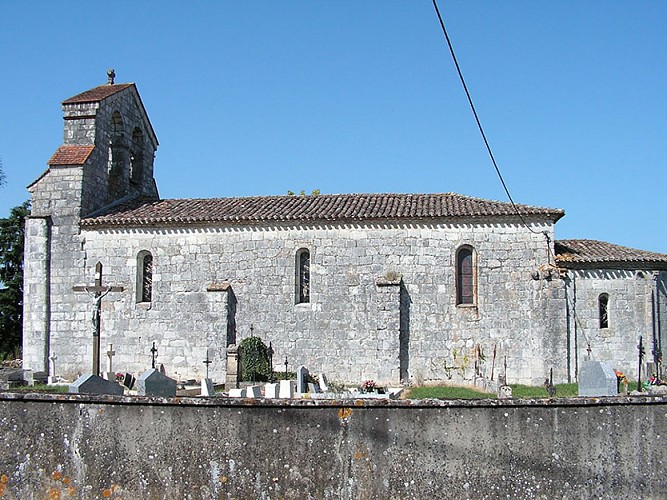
(349, 329)
(53, 262)
(630, 315)
(55, 257)
(70, 446)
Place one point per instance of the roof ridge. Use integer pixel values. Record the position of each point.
(332, 207)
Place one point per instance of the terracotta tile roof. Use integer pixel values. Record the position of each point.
(333, 207)
(97, 94)
(574, 253)
(71, 155)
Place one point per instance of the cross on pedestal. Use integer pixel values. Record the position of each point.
(53, 359)
(97, 292)
(153, 355)
(110, 354)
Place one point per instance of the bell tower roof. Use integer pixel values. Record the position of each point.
(98, 93)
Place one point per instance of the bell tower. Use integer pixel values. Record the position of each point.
(106, 157)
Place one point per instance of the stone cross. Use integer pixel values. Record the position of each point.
(97, 292)
(110, 354)
(53, 359)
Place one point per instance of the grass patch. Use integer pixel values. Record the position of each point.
(529, 391)
(518, 391)
(446, 392)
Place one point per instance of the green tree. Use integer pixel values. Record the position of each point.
(11, 279)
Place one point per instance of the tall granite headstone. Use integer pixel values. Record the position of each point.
(597, 379)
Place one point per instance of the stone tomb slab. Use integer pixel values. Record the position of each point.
(206, 388)
(597, 379)
(153, 383)
(302, 375)
(94, 384)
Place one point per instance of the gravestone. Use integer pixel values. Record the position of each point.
(94, 384)
(11, 377)
(286, 389)
(206, 387)
(301, 378)
(237, 393)
(271, 391)
(153, 383)
(253, 391)
(324, 383)
(129, 380)
(313, 388)
(597, 379)
(504, 392)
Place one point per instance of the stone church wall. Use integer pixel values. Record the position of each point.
(633, 312)
(382, 303)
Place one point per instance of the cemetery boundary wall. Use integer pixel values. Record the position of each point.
(81, 446)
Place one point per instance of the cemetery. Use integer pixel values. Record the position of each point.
(292, 434)
(356, 306)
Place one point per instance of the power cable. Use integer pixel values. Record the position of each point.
(479, 123)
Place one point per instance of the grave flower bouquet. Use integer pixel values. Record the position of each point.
(620, 376)
(368, 386)
(621, 380)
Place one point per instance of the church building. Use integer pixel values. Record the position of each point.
(389, 287)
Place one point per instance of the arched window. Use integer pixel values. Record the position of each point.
(302, 276)
(116, 158)
(144, 276)
(603, 308)
(465, 276)
(136, 156)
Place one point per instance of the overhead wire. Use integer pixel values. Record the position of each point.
(477, 120)
(550, 251)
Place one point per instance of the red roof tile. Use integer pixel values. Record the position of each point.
(71, 155)
(333, 207)
(574, 253)
(97, 94)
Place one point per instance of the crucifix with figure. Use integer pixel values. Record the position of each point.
(98, 291)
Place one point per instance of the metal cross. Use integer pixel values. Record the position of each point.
(285, 367)
(207, 362)
(97, 292)
(153, 355)
(271, 362)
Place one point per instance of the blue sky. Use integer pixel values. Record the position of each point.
(258, 98)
